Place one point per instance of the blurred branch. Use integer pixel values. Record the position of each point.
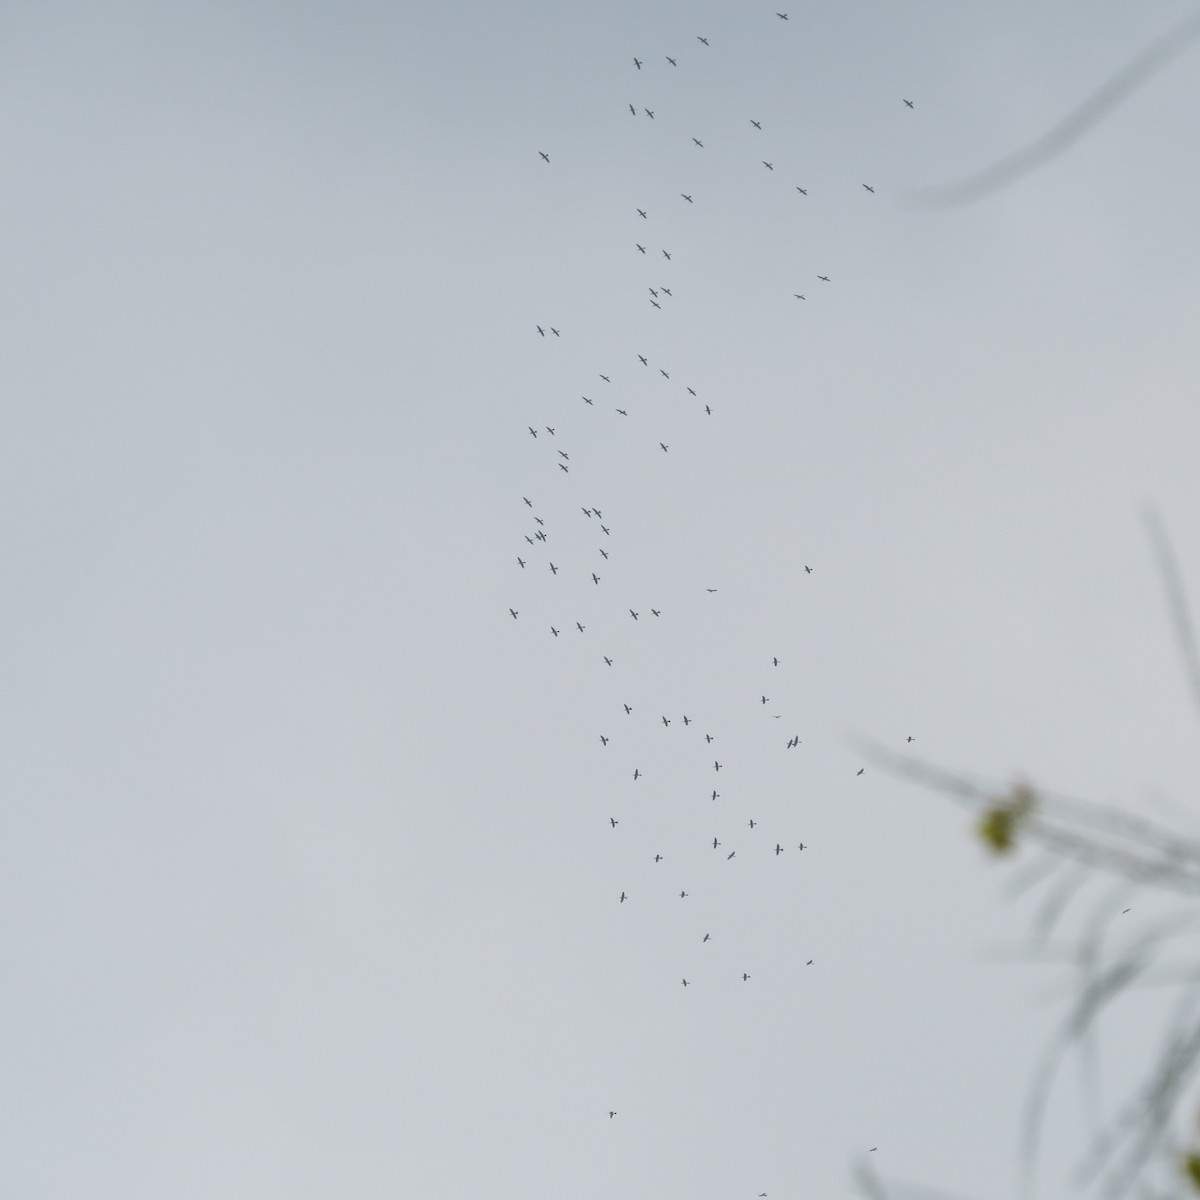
(1071, 128)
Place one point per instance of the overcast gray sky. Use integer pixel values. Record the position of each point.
(309, 885)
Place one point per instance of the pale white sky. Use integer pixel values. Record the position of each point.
(307, 882)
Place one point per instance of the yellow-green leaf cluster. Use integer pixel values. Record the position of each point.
(997, 826)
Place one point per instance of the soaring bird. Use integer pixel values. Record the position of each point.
(603, 740)
(514, 613)
(687, 197)
(527, 501)
(860, 770)
(908, 102)
(824, 277)
(633, 110)
(755, 123)
(607, 659)
(702, 39)
(641, 248)
(544, 155)
(642, 213)
(698, 143)
(802, 191)
(637, 64)
(648, 113)
(633, 614)
(636, 773)
(778, 849)
(671, 61)
(521, 561)
(868, 187)
(769, 166)
(807, 570)
(595, 577)
(643, 358)
(613, 822)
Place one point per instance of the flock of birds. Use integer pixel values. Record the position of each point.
(553, 537)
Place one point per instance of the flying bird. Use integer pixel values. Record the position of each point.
(628, 710)
(769, 166)
(613, 822)
(550, 431)
(908, 102)
(520, 561)
(641, 248)
(624, 414)
(553, 569)
(766, 699)
(663, 444)
(698, 143)
(595, 577)
(755, 123)
(564, 468)
(909, 738)
(527, 501)
(667, 255)
(715, 843)
(869, 187)
(807, 570)
(715, 794)
(514, 613)
(633, 614)
(554, 631)
(578, 626)
(636, 773)
(643, 358)
(656, 304)
(824, 277)
(637, 64)
(668, 291)
(705, 938)
(671, 61)
(603, 740)
(658, 858)
(702, 39)
(633, 110)
(793, 743)
(685, 982)
(648, 113)
(716, 766)
(708, 736)
(588, 400)
(544, 155)
(606, 379)
(622, 901)
(778, 849)
(687, 197)
(692, 391)
(753, 822)
(801, 190)
(607, 659)
(730, 855)
(798, 296)
(775, 662)
(541, 330)
(663, 373)
(860, 770)
(683, 895)
(655, 610)
(555, 331)
(665, 721)
(642, 213)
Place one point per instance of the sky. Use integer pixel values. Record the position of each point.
(309, 882)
